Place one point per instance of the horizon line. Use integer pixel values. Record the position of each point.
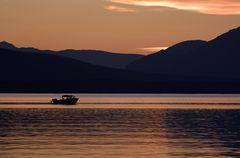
(143, 50)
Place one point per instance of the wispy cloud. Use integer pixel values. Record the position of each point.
(217, 7)
(152, 49)
(115, 8)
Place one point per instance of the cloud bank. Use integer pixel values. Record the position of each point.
(115, 8)
(216, 7)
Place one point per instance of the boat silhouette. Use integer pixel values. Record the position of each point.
(65, 100)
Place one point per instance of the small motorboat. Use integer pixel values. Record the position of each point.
(66, 100)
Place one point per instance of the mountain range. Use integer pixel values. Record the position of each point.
(96, 57)
(218, 58)
(193, 66)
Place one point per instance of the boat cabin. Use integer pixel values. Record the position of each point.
(66, 100)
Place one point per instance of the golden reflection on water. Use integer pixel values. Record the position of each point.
(122, 106)
(117, 133)
(171, 101)
(120, 127)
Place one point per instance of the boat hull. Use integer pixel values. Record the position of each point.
(72, 101)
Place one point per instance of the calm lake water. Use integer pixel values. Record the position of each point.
(120, 126)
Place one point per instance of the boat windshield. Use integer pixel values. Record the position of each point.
(68, 96)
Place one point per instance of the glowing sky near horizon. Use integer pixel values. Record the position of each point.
(130, 26)
(216, 7)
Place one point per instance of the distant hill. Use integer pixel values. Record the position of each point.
(7, 45)
(159, 62)
(18, 65)
(218, 58)
(101, 58)
(38, 72)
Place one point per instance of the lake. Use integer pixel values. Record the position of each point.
(120, 126)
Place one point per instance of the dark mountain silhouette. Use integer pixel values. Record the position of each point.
(218, 58)
(17, 65)
(159, 61)
(10, 46)
(188, 67)
(38, 72)
(102, 58)
(7, 45)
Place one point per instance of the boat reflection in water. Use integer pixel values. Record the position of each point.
(65, 100)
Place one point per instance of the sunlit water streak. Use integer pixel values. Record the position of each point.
(121, 130)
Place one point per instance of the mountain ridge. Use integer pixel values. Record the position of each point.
(96, 57)
(188, 67)
(216, 58)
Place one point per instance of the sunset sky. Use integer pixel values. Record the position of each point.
(124, 26)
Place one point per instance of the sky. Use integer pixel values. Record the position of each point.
(123, 26)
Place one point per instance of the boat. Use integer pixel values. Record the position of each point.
(66, 100)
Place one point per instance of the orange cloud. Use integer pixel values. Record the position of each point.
(218, 7)
(118, 9)
(152, 49)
